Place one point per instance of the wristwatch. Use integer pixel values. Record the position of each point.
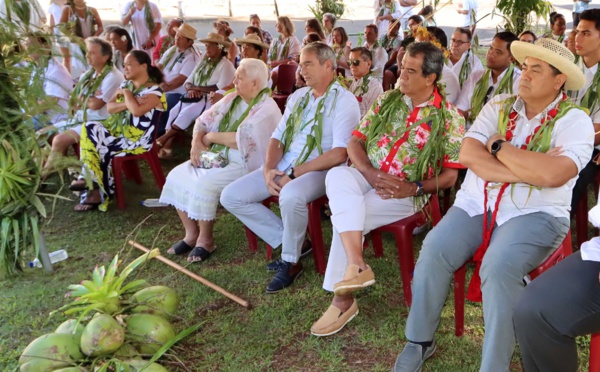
(290, 173)
(420, 189)
(496, 146)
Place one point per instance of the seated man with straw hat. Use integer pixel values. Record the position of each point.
(524, 153)
(213, 72)
(177, 63)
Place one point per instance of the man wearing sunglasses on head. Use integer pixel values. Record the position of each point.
(365, 86)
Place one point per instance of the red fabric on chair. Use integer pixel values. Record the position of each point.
(403, 234)
(314, 231)
(563, 250)
(286, 79)
(129, 165)
(595, 353)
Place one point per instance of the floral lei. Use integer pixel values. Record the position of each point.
(227, 126)
(87, 87)
(167, 43)
(364, 85)
(480, 91)
(274, 53)
(465, 69)
(591, 99)
(294, 124)
(205, 71)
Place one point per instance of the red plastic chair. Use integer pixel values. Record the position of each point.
(403, 234)
(129, 165)
(581, 213)
(314, 231)
(560, 254)
(286, 78)
(595, 353)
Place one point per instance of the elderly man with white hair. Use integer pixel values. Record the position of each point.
(230, 140)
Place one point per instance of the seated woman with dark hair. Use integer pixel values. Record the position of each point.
(122, 43)
(128, 131)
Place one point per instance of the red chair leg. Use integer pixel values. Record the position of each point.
(595, 353)
(118, 176)
(581, 219)
(377, 243)
(156, 169)
(459, 300)
(316, 234)
(252, 239)
(406, 258)
(131, 168)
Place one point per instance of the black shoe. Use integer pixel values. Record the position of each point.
(274, 266)
(285, 276)
(306, 250)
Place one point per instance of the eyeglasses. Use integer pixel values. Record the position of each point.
(354, 62)
(459, 42)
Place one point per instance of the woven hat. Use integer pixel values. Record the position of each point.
(187, 31)
(252, 39)
(217, 39)
(555, 54)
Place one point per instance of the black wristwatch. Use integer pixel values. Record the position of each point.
(420, 189)
(290, 173)
(496, 146)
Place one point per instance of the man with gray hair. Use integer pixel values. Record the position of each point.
(405, 148)
(328, 25)
(310, 139)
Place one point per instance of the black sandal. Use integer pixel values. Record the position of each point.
(199, 254)
(180, 247)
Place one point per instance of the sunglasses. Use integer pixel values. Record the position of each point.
(354, 62)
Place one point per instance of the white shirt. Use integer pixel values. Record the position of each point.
(37, 16)
(55, 11)
(590, 250)
(464, 100)
(398, 11)
(58, 84)
(452, 85)
(293, 51)
(473, 60)
(180, 64)
(112, 81)
(140, 31)
(471, 6)
(380, 58)
(222, 75)
(340, 117)
(574, 132)
(366, 99)
(578, 95)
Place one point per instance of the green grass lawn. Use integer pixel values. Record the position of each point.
(273, 335)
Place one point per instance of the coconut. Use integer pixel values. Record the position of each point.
(71, 327)
(103, 335)
(50, 352)
(127, 351)
(137, 365)
(157, 300)
(148, 332)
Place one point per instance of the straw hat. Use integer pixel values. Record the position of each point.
(555, 54)
(187, 31)
(252, 39)
(217, 39)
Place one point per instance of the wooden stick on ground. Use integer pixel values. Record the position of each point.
(194, 276)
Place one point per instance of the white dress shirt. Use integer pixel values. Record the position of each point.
(574, 132)
(180, 64)
(464, 100)
(340, 117)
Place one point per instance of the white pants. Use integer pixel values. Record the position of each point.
(184, 114)
(356, 207)
(243, 199)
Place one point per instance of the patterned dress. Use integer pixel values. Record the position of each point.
(99, 144)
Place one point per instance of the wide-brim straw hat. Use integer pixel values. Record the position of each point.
(252, 39)
(187, 31)
(555, 54)
(217, 39)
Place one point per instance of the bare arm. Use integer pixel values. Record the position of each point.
(225, 139)
(475, 156)
(127, 18)
(175, 83)
(98, 22)
(94, 103)
(140, 108)
(270, 172)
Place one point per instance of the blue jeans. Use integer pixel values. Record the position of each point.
(517, 247)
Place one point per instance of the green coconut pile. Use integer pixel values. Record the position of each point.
(119, 327)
